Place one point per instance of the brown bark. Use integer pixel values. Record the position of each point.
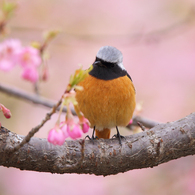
(150, 148)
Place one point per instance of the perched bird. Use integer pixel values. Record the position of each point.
(108, 96)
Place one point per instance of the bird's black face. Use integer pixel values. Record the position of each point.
(102, 63)
(106, 70)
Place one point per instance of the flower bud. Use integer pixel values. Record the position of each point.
(56, 136)
(5, 111)
(84, 124)
(30, 74)
(74, 131)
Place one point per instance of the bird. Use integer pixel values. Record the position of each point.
(108, 96)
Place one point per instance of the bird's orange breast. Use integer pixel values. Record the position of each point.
(107, 104)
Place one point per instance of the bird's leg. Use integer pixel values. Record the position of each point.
(92, 137)
(118, 135)
(93, 134)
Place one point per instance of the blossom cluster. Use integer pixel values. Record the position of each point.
(69, 127)
(66, 129)
(12, 53)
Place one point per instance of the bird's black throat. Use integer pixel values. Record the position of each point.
(107, 70)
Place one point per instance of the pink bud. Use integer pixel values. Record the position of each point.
(85, 127)
(74, 131)
(56, 136)
(63, 127)
(130, 122)
(30, 74)
(5, 111)
(45, 74)
(84, 124)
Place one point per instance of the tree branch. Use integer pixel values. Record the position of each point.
(33, 98)
(144, 121)
(150, 148)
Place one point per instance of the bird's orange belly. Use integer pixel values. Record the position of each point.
(107, 104)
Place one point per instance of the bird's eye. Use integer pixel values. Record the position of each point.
(109, 64)
(101, 62)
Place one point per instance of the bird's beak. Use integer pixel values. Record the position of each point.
(99, 63)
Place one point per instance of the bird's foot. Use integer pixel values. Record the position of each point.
(119, 136)
(92, 138)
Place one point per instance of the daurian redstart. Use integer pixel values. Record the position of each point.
(108, 96)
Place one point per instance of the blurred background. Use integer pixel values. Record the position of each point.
(157, 39)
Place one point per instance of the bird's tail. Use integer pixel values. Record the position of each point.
(105, 133)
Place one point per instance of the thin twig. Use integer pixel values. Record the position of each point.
(141, 126)
(36, 88)
(148, 123)
(2, 27)
(36, 129)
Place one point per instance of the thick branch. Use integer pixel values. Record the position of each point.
(150, 148)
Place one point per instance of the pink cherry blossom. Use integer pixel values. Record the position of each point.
(63, 127)
(74, 131)
(56, 136)
(29, 57)
(30, 74)
(84, 124)
(8, 54)
(12, 53)
(5, 111)
(85, 127)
